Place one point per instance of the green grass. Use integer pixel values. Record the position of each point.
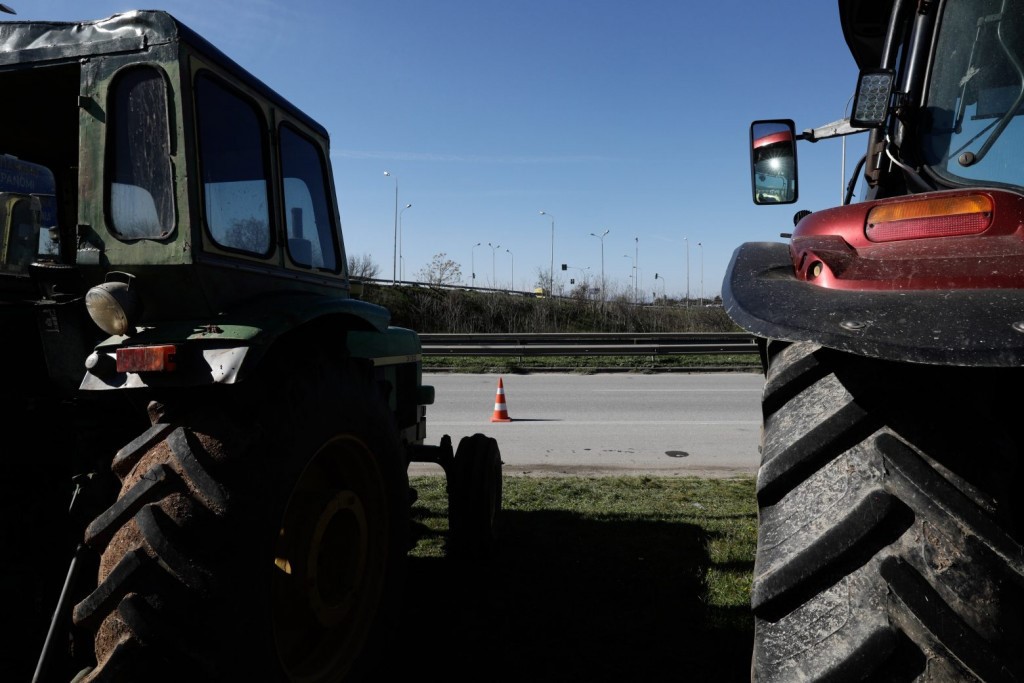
(512, 364)
(595, 579)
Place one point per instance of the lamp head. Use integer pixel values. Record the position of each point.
(115, 305)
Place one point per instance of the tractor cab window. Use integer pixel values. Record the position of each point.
(308, 214)
(975, 103)
(28, 214)
(19, 232)
(233, 168)
(141, 194)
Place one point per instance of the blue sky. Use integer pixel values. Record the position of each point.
(628, 117)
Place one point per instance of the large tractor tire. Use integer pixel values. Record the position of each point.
(259, 535)
(889, 540)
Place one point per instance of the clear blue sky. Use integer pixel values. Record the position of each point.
(630, 117)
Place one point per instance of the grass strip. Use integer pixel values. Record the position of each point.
(525, 364)
(595, 579)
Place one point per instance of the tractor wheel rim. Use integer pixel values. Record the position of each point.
(330, 562)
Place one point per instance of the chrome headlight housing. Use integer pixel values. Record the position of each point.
(115, 305)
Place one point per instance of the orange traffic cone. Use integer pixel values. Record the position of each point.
(500, 410)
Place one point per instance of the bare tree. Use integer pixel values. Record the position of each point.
(580, 289)
(544, 281)
(362, 267)
(441, 271)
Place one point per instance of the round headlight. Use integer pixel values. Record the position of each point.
(113, 306)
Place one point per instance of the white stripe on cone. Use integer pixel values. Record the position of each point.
(500, 411)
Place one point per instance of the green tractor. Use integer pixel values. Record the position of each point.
(892, 328)
(207, 437)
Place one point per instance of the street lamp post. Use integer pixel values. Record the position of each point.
(513, 283)
(394, 256)
(701, 246)
(636, 267)
(494, 248)
(687, 270)
(401, 259)
(551, 277)
(601, 237)
(472, 265)
(632, 274)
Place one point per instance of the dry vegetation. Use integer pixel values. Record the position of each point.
(428, 309)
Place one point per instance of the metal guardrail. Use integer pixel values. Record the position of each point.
(587, 344)
(709, 302)
(380, 282)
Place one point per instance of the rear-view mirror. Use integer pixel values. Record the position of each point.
(773, 161)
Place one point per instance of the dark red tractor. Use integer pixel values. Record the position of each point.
(892, 328)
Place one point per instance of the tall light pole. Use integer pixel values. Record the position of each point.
(401, 259)
(601, 237)
(551, 279)
(472, 265)
(687, 270)
(842, 162)
(701, 246)
(394, 256)
(494, 248)
(636, 267)
(513, 285)
(632, 273)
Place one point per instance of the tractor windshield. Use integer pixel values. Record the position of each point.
(974, 129)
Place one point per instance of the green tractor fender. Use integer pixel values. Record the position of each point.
(228, 348)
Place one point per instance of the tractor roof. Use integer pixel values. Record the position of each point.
(48, 41)
(864, 26)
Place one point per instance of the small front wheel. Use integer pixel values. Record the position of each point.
(474, 499)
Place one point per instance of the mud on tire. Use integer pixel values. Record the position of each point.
(259, 535)
(889, 541)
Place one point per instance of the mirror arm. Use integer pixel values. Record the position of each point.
(830, 130)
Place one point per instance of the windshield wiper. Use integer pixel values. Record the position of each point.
(970, 159)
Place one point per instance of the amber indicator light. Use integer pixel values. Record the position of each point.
(938, 217)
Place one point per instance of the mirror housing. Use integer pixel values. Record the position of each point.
(773, 161)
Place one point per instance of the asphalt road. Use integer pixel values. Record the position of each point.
(670, 424)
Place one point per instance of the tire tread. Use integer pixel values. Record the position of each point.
(862, 516)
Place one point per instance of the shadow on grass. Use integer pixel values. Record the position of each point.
(572, 599)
